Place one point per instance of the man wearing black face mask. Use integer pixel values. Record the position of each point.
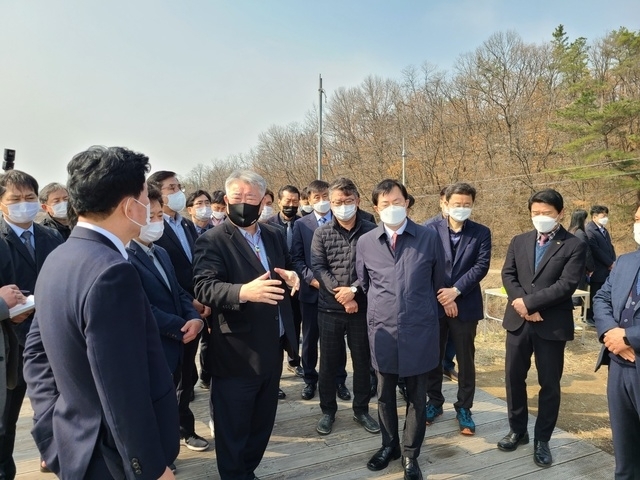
(240, 271)
(289, 201)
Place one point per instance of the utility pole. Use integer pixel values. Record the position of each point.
(404, 156)
(320, 93)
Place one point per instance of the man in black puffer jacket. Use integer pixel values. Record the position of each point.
(342, 305)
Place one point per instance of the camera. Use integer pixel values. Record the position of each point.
(9, 159)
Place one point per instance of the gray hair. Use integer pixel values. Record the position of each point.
(246, 176)
(49, 189)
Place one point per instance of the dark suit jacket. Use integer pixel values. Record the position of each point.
(245, 339)
(10, 361)
(402, 310)
(95, 370)
(547, 290)
(364, 215)
(26, 270)
(602, 250)
(468, 268)
(612, 299)
(301, 255)
(181, 263)
(171, 306)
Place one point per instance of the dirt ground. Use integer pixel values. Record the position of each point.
(583, 409)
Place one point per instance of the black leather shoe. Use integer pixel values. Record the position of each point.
(542, 453)
(367, 422)
(403, 391)
(343, 392)
(309, 391)
(382, 457)
(281, 394)
(411, 469)
(324, 424)
(511, 441)
(374, 386)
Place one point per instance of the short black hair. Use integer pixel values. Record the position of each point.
(49, 189)
(156, 178)
(460, 188)
(304, 193)
(154, 194)
(217, 197)
(548, 196)
(317, 186)
(345, 185)
(100, 177)
(198, 193)
(597, 209)
(412, 201)
(270, 193)
(443, 191)
(288, 188)
(19, 179)
(385, 186)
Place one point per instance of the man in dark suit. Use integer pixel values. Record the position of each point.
(467, 250)
(616, 310)
(288, 201)
(103, 400)
(178, 321)
(178, 240)
(541, 271)
(30, 244)
(604, 255)
(240, 268)
(400, 268)
(301, 253)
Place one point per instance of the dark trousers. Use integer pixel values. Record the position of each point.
(184, 388)
(449, 354)
(414, 424)
(297, 325)
(310, 337)
(244, 411)
(205, 375)
(8, 423)
(463, 335)
(593, 289)
(333, 327)
(549, 358)
(623, 394)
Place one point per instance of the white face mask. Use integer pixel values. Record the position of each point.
(322, 207)
(151, 231)
(267, 212)
(460, 214)
(344, 213)
(23, 212)
(203, 213)
(177, 201)
(306, 208)
(544, 224)
(218, 215)
(636, 232)
(393, 215)
(60, 210)
(147, 207)
(603, 221)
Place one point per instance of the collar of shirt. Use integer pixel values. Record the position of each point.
(170, 219)
(399, 231)
(253, 239)
(18, 230)
(144, 248)
(551, 234)
(106, 233)
(215, 222)
(327, 216)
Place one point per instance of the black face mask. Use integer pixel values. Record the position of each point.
(289, 212)
(243, 214)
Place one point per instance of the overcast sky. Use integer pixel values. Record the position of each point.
(189, 81)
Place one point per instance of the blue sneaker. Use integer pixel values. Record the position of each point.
(432, 413)
(467, 426)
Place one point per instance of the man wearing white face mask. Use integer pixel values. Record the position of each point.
(303, 229)
(30, 244)
(199, 207)
(178, 321)
(54, 198)
(604, 255)
(342, 305)
(178, 239)
(541, 271)
(218, 208)
(467, 248)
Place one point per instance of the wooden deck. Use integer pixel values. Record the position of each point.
(296, 451)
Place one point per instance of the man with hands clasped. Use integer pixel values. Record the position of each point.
(541, 271)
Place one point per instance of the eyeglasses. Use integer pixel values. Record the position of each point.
(172, 188)
(350, 201)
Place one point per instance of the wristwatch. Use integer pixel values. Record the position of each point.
(457, 291)
(626, 341)
(354, 289)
